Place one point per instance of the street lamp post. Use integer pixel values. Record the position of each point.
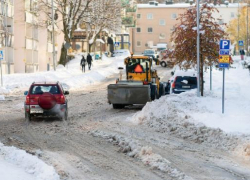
(198, 47)
(247, 31)
(53, 34)
(238, 38)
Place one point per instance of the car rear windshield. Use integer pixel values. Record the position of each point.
(186, 80)
(40, 89)
(149, 52)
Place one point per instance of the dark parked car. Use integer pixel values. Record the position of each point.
(46, 99)
(183, 81)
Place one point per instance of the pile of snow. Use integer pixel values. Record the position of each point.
(71, 76)
(2, 98)
(201, 119)
(17, 164)
(143, 153)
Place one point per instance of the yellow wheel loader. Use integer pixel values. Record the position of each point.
(141, 85)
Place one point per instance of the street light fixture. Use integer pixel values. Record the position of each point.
(53, 34)
(247, 31)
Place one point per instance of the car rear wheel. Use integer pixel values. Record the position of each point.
(65, 116)
(163, 64)
(27, 117)
(118, 106)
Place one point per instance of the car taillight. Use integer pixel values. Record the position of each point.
(145, 82)
(173, 84)
(62, 99)
(27, 100)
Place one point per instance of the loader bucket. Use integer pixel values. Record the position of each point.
(128, 94)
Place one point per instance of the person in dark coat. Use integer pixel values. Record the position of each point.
(83, 63)
(242, 53)
(89, 60)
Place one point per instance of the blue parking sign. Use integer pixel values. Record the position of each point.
(225, 44)
(1, 55)
(241, 43)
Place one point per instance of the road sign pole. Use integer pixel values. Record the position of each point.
(223, 91)
(210, 78)
(1, 73)
(198, 47)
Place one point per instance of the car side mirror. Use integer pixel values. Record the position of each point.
(172, 73)
(120, 68)
(25, 93)
(66, 93)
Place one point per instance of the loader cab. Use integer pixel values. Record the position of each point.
(138, 68)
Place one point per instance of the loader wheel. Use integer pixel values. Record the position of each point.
(118, 106)
(153, 92)
(161, 90)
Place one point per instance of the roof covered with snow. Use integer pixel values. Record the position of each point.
(185, 5)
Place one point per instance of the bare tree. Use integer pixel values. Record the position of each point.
(70, 13)
(97, 15)
(104, 15)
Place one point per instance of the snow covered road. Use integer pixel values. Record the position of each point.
(101, 143)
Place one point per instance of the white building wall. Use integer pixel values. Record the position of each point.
(227, 13)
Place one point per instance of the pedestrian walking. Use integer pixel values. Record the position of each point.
(89, 60)
(242, 53)
(83, 63)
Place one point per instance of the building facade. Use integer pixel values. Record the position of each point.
(33, 40)
(155, 22)
(7, 35)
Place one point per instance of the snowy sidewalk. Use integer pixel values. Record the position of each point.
(71, 76)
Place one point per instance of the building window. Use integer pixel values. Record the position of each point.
(172, 29)
(138, 43)
(138, 29)
(150, 29)
(138, 16)
(149, 16)
(220, 22)
(162, 36)
(232, 14)
(162, 22)
(173, 16)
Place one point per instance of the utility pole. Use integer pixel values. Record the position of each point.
(238, 26)
(198, 47)
(247, 30)
(6, 39)
(53, 34)
(32, 51)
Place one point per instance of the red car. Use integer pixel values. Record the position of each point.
(46, 99)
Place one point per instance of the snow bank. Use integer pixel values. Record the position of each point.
(2, 98)
(143, 153)
(70, 76)
(201, 119)
(17, 164)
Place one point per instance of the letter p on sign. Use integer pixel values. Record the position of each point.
(225, 44)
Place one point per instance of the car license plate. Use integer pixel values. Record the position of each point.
(36, 111)
(185, 86)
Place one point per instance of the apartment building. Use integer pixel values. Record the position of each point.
(155, 22)
(6, 35)
(33, 40)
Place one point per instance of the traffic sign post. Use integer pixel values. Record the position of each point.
(1, 59)
(224, 61)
